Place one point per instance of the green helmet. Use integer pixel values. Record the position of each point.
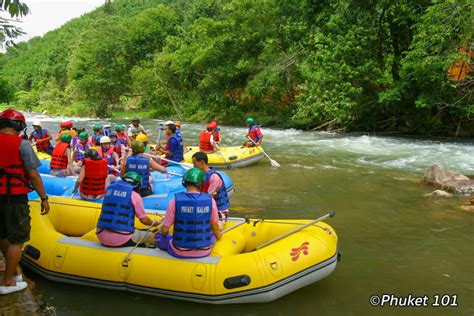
(133, 178)
(250, 120)
(83, 136)
(66, 137)
(97, 127)
(193, 176)
(119, 127)
(138, 147)
(93, 154)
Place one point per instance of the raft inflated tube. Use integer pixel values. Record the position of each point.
(64, 247)
(164, 186)
(237, 156)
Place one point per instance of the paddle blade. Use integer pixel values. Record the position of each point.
(275, 163)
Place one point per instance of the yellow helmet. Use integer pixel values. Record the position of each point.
(141, 138)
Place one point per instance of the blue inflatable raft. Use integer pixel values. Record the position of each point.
(164, 186)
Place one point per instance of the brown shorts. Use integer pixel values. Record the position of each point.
(15, 223)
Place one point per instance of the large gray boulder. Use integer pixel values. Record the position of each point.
(448, 180)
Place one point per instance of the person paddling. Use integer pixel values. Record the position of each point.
(122, 203)
(18, 172)
(41, 138)
(254, 133)
(174, 145)
(214, 185)
(195, 218)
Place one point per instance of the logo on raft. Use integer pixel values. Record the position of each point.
(295, 252)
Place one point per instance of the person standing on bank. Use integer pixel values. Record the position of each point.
(17, 174)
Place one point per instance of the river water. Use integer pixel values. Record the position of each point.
(393, 240)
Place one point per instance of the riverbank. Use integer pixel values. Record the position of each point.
(18, 303)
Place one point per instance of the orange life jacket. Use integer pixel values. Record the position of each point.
(13, 179)
(95, 176)
(59, 157)
(205, 142)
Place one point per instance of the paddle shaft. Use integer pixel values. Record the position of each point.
(183, 164)
(331, 214)
(229, 166)
(271, 160)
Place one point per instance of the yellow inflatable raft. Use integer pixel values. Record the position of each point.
(228, 157)
(64, 247)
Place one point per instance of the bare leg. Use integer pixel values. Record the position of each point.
(12, 256)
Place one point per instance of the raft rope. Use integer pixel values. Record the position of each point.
(127, 259)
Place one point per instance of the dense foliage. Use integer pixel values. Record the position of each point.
(355, 65)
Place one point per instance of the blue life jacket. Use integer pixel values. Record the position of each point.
(176, 148)
(222, 199)
(118, 213)
(80, 150)
(140, 165)
(192, 224)
(178, 132)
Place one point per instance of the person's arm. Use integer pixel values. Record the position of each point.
(80, 178)
(70, 160)
(214, 144)
(260, 136)
(31, 137)
(46, 139)
(142, 130)
(215, 220)
(35, 179)
(116, 158)
(157, 167)
(124, 164)
(168, 220)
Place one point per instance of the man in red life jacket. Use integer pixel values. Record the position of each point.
(17, 173)
(61, 160)
(254, 133)
(93, 177)
(41, 138)
(206, 140)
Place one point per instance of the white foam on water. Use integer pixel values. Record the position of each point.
(328, 150)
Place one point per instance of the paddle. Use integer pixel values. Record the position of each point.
(274, 163)
(229, 166)
(182, 164)
(331, 214)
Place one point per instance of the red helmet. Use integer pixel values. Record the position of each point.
(67, 124)
(13, 115)
(211, 126)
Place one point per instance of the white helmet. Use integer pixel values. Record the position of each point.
(169, 122)
(37, 123)
(105, 139)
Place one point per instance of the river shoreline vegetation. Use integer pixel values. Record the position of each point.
(350, 65)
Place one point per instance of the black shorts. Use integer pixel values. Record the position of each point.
(15, 222)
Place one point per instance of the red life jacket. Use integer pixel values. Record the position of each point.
(205, 142)
(12, 173)
(95, 175)
(254, 132)
(118, 150)
(42, 135)
(59, 158)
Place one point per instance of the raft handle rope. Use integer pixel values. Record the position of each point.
(246, 221)
(331, 214)
(255, 222)
(127, 259)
